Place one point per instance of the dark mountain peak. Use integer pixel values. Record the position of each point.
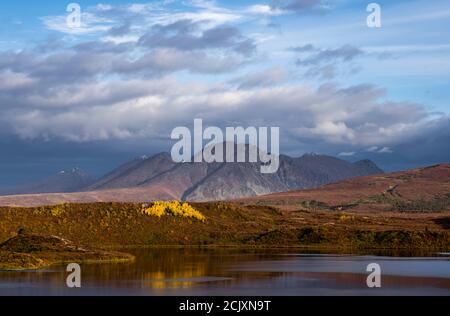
(364, 162)
(162, 155)
(368, 167)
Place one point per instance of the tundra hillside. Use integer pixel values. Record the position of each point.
(407, 210)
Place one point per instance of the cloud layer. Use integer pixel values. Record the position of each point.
(136, 71)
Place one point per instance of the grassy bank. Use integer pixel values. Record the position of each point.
(30, 251)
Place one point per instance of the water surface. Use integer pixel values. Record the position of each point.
(231, 272)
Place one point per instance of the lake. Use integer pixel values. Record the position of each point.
(232, 272)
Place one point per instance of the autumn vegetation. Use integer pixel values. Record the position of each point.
(174, 208)
(228, 224)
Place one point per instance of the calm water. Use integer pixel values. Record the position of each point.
(240, 272)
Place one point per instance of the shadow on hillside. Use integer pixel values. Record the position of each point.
(443, 221)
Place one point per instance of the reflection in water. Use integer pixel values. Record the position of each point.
(173, 271)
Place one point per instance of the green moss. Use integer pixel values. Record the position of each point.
(274, 237)
(314, 205)
(440, 203)
(313, 235)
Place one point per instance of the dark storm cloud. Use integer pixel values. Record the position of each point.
(431, 147)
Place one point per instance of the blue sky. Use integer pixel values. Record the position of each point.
(113, 89)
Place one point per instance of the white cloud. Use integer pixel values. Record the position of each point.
(104, 7)
(347, 154)
(385, 150)
(382, 150)
(121, 39)
(141, 8)
(264, 9)
(336, 132)
(103, 17)
(12, 81)
(143, 108)
(90, 24)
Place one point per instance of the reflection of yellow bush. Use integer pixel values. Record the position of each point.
(182, 277)
(175, 208)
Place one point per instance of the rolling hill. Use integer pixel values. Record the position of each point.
(423, 189)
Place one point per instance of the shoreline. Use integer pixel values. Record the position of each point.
(35, 252)
(120, 254)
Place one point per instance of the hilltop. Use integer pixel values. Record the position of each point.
(423, 189)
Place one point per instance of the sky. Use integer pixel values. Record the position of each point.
(114, 88)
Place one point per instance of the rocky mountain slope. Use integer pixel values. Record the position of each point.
(221, 181)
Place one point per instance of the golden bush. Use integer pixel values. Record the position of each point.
(175, 208)
(345, 217)
(55, 211)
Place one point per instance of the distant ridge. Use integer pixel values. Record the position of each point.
(65, 181)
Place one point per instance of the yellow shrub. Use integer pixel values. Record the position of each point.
(345, 217)
(175, 208)
(57, 211)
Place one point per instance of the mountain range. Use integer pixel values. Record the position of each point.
(158, 177)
